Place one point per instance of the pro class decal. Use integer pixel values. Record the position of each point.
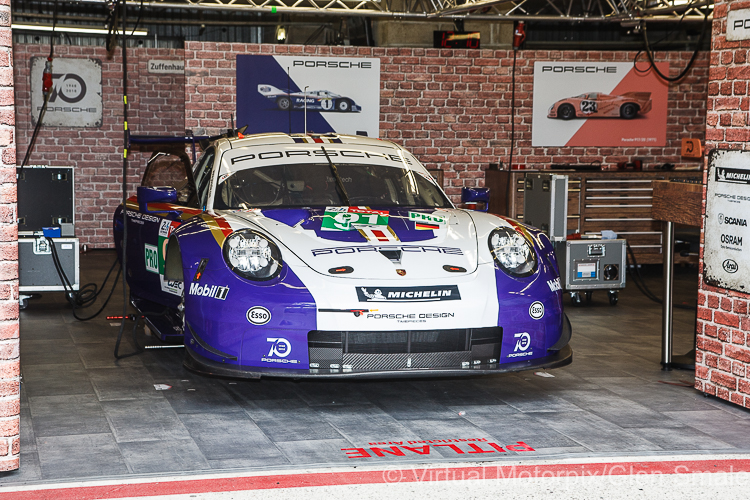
(152, 258)
(536, 310)
(427, 221)
(213, 291)
(408, 294)
(258, 315)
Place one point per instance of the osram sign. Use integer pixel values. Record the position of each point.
(76, 96)
(738, 25)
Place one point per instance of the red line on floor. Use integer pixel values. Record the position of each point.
(430, 474)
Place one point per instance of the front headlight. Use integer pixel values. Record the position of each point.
(252, 255)
(512, 252)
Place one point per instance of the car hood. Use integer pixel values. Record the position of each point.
(416, 243)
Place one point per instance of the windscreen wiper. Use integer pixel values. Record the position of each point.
(335, 172)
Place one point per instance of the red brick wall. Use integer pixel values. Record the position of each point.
(723, 358)
(10, 402)
(451, 108)
(156, 107)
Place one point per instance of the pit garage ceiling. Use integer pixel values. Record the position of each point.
(618, 11)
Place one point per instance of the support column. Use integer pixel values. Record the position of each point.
(10, 400)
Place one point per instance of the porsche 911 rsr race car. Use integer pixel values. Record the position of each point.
(317, 100)
(598, 105)
(335, 256)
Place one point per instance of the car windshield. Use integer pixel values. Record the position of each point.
(314, 184)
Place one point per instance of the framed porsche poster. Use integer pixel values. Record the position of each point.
(598, 104)
(337, 94)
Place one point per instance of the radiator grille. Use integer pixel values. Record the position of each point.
(404, 349)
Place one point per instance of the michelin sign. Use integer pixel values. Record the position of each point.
(76, 95)
(727, 238)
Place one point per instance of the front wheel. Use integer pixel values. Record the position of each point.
(566, 112)
(344, 105)
(628, 111)
(284, 103)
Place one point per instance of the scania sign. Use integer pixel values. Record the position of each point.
(726, 255)
(76, 96)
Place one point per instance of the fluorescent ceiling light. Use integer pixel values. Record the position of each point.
(73, 29)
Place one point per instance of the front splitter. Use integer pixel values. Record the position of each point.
(197, 363)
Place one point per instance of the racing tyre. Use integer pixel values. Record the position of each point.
(344, 105)
(566, 112)
(284, 103)
(628, 111)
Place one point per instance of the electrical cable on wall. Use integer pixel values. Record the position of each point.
(650, 54)
(47, 85)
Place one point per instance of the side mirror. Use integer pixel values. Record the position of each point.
(146, 195)
(472, 196)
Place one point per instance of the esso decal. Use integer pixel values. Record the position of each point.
(536, 310)
(258, 315)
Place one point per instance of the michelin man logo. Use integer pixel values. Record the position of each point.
(523, 341)
(280, 347)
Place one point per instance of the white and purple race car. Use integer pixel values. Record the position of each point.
(317, 100)
(336, 256)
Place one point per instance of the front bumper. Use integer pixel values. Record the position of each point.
(197, 363)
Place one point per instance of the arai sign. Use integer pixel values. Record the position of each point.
(727, 247)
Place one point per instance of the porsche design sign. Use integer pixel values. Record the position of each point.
(76, 95)
(727, 238)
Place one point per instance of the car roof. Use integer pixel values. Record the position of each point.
(282, 138)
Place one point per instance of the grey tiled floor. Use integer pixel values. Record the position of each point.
(85, 415)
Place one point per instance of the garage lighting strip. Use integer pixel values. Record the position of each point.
(73, 29)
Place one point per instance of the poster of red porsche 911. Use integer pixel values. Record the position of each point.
(598, 104)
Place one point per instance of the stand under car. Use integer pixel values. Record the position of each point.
(586, 263)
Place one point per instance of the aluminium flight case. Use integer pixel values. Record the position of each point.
(37, 272)
(592, 264)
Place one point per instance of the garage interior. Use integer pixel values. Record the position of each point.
(70, 411)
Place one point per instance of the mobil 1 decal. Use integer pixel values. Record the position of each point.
(589, 103)
(726, 254)
(338, 94)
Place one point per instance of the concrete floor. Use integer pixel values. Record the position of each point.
(86, 416)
